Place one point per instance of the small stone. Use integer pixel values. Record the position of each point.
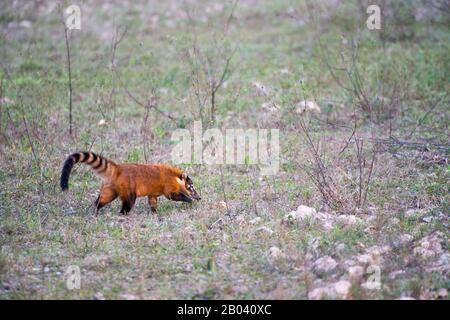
(325, 264)
(414, 213)
(426, 295)
(394, 221)
(371, 285)
(240, 219)
(307, 106)
(25, 24)
(256, 220)
(349, 263)
(405, 238)
(69, 211)
(365, 259)
(340, 247)
(276, 254)
(429, 246)
(355, 273)
(321, 293)
(347, 220)
(343, 289)
(264, 230)
(95, 261)
(442, 293)
(302, 213)
(395, 274)
(99, 296)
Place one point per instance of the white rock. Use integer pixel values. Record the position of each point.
(327, 225)
(5, 100)
(102, 122)
(394, 221)
(265, 230)
(406, 298)
(442, 264)
(415, 213)
(405, 238)
(99, 296)
(430, 246)
(96, 261)
(322, 293)
(340, 247)
(25, 24)
(355, 273)
(378, 250)
(343, 289)
(347, 220)
(261, 89)
(256, 220)
(305, 210)
(270, 107)
(325, 264)
(371, 285)
(307, 106)
(276, 254)
(240, 219)
(442, 293)
(365, 259)
(349, 263)
(301, 214)
(395, 273)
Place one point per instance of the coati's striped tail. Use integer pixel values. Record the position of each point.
(101, 166)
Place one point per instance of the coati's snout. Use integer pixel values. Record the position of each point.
(190, 188)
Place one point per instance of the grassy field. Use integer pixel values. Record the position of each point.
(373, 163)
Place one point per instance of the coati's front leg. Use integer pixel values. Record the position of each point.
(153, 202)
(127, 203)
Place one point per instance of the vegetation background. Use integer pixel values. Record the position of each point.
(371, 168)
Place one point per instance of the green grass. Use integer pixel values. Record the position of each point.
(199, 251)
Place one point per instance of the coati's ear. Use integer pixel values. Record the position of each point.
(182, 179)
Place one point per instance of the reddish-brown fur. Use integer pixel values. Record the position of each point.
(130, 181)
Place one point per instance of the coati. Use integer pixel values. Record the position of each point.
(129, 181)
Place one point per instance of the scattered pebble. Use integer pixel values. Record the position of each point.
(343, 289)
(264, 230)
(355, 273)
(325, 264)
(321, 293)
(429, 246)
(99, 296)
(256, 220)
(307, 106)
(275, 254)
(442, 293)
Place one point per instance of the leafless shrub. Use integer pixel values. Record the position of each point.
(335, 193)
(69, 67)
(209, 68)
(376, 103)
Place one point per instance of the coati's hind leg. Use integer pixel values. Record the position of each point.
(153, 202)
(127, 203)
(107, 195)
